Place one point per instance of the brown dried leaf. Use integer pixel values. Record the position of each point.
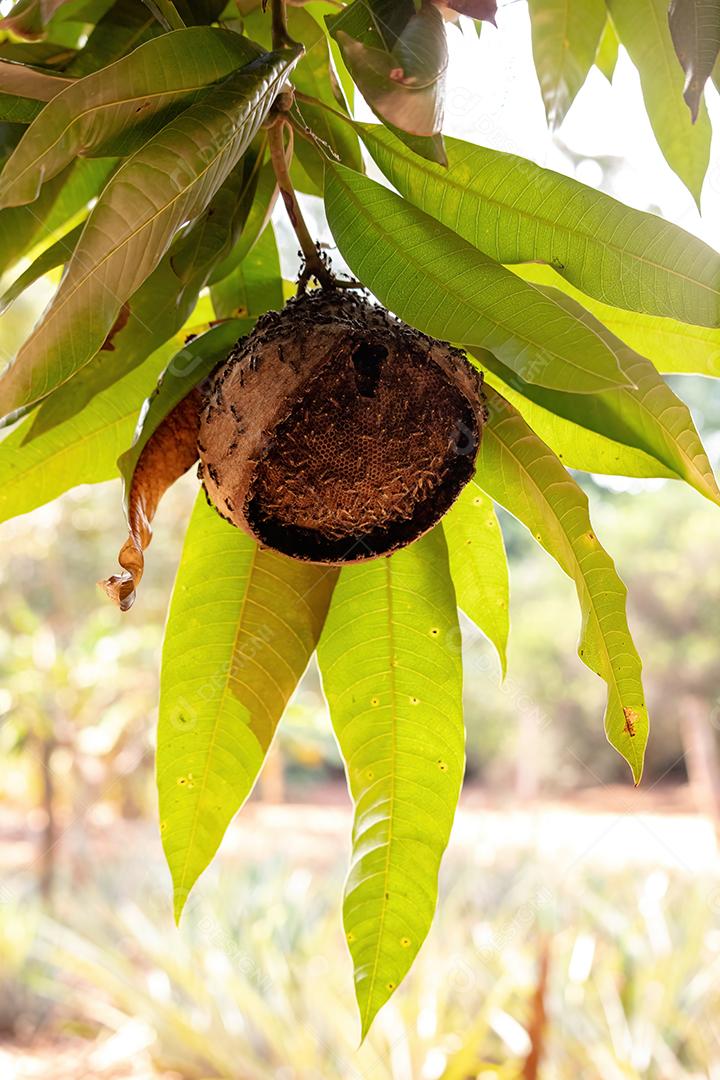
(169, 453)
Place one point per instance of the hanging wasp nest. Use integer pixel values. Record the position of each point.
(334, 432)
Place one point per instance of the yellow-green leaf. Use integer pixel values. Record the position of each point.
(391, 669)
(650, 429)
(478, 564)
(243, 624)
(643, 28)
(671, 345)
(521, 473)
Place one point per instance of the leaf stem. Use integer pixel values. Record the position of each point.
(314, 264)
(280, 34)
(308, 99)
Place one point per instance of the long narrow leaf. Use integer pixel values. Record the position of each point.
(644, 31)
(478, 564)
(159, 308)
(521, 473)
(646, 417)
(672, 346)
(391, 669)
(243, 624)
(565, 39)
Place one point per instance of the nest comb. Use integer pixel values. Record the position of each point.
(336, 433)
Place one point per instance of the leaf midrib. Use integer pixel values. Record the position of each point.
(181, 886)
(368, 1011)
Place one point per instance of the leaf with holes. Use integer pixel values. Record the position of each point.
(521, 473)
(478, 564)
(439, 283)
(242, 627)
(168, 181)
(515, 211)
(391, 669)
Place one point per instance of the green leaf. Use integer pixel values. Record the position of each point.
(607, 50)
(515, 211)
(437, 282)
(643, 29)
(17, 110)
(163, 302)
(695, 31)
(255, 286)
(565, 39)
(56, 255)
(125, 26)
(166, 13)
(392, 673)
(114, 111)
(521, 473)
(646, 417)
(671, 345)
(86, 180)
(170, 180)
(243, 624)
(478, 564)
(82, 448)
(258, 216)
(20, 225)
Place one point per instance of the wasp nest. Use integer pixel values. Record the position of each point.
(334, 432)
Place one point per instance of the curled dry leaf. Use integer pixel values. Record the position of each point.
(169, 452)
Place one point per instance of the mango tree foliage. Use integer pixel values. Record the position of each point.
(139, 171)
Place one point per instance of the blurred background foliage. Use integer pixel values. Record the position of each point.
(255, 984)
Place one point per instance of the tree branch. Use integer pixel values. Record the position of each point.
(280, 34)
(314, 264)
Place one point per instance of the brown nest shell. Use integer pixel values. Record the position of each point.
(336, 433)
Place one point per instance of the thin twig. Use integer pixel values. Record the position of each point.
(314, 265)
